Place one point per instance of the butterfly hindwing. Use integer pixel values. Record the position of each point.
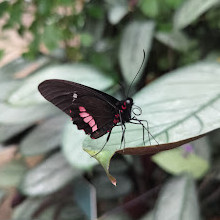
(90, 109)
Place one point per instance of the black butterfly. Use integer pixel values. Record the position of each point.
(91, 110)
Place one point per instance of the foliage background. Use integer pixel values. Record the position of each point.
(100, 43)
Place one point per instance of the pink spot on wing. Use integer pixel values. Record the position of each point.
(84, 114)
(70, 111)
(87, 119)
(92, 123)
(82, 109)
(94, 128)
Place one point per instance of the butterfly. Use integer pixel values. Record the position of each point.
(91, 110)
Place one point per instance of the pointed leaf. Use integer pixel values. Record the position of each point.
(179, 107)
(178, 201)
(27, 93)
(136, 37)
(191, 10)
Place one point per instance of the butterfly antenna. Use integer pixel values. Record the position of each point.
(136, 74)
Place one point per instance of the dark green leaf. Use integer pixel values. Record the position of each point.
(3, 7)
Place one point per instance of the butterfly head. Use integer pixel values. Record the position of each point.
(129, 101)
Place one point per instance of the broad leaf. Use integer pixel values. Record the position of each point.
(179, 107)
(190, 11)
(177, 201)
(27, 93)
(45, 137)
(72, 148)
(48, 177)
(137, 36)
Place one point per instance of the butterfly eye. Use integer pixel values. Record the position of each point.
(128, 101)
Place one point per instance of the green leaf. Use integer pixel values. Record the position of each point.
(177, 161)
(12, 173)
(149, 7)
(72, 148)
(178, 200)
(179, 108)
(27, 94)
(176, 40)
(137, 36)
(44, 7)
(174, 3)
(190, 11)
(48, 177)
(45, 137)
(51, 36)
(96, 11)
(117, 9)
(3, 7)
(86, 39)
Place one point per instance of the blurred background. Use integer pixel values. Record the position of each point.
(44, 173)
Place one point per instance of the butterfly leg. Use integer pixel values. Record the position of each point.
(107, 139)
(142, 131)
(147, 129)
(123, 136)
(143, 126)
(123, 127)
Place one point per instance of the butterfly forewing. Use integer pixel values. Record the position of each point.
(90, 109)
